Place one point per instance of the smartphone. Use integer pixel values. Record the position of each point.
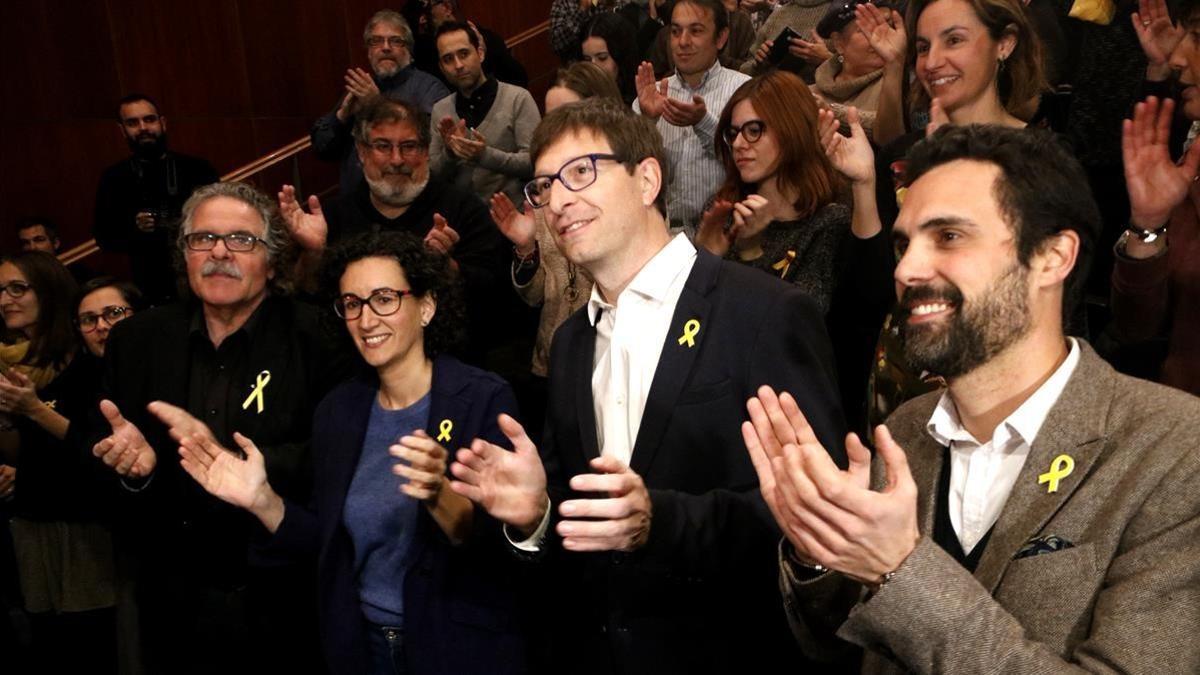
(780, 47)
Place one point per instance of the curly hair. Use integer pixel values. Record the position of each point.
(54, 339)
(428, 274)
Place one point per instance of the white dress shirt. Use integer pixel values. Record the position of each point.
(629, 340)
(982, 475)
(695, 171)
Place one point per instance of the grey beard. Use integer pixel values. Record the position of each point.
(397, 196)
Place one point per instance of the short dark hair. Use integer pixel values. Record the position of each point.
(390, 108)
(453, 26)
(428, 273)
(134, 97)
(34, 221)
(54, 340)
(631, 136)
(1042, 189)
(129, 292)
(716, 7)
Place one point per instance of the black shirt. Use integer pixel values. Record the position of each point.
(475, 107)
(211, 392)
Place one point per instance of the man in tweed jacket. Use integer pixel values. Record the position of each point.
(1043, 515)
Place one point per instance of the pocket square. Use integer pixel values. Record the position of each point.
(1042, 545)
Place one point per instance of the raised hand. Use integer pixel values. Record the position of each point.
(180, 423)
(510, 486)
(831, 517)
(751, 216)
(441, 237)
(308, 229)
(1157, 35)
(884, 31)
(652, 95)
(851, 156)
(18, 395)
(423, 466)
(812, 50)
(1156, 185)
(618, 522)
(715, 232)
(682, 113)
(126, 449)
(360, 83)
(468, 149)
(447, 128)
(230, 478)
(515, 224)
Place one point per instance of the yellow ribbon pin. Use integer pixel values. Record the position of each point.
(256, 394)
(444, 429)
(1060, 468)
(690, 330)
(784, 264)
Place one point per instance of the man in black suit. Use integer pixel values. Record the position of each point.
(658, 549)
(239, 356)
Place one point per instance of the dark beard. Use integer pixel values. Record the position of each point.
(975, 333)
(147, 150)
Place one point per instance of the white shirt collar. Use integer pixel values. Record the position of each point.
(708, 75)
(1026, 421)
(655, 277)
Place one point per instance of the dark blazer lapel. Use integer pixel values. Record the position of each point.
(340, 460)
(1074, 427)
(580, 357)
(447, 410)
(925, 459)
(677, 358)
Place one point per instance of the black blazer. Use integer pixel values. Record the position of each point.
(459, 602)
(147, 359)
(701, 595)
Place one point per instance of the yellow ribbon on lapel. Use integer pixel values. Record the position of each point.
(1060, 468)
(256, 394)
(690, 330)
(784, 264)
(444, 429)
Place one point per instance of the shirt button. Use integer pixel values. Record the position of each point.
(213, 412)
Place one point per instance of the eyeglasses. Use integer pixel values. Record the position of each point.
(15, 289)
(751, 131)
(575, 175)
(383, 301)
(385, 148)
(111, 315)
(207, 241)
(393, 41)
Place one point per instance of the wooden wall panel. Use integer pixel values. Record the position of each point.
(291, 54)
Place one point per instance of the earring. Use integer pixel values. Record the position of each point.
(1002, 63)
(841, 59)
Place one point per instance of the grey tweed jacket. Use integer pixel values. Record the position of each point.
(1124, 597)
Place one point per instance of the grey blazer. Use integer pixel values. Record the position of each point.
(1124, 598)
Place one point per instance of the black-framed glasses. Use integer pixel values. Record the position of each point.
(238, 242)
(111, 315)
(383, 301)
(393, 41)
(15, 289)
(575, 175)
(751, 131)
(385, 148)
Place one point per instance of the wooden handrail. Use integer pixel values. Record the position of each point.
(288, 151)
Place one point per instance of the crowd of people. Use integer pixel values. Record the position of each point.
(772, 335)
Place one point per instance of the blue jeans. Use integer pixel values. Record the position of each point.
(387, 649)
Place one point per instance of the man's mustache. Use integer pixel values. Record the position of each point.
(401, 170)
(222, 267)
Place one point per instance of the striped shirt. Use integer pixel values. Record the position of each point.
(694, 169)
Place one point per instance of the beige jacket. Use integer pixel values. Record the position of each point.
(1124, 599)
(550, 288)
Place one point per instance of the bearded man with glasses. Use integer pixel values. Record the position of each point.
(659, 550)
(238, 355)
(389, 42)
(392, 139)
